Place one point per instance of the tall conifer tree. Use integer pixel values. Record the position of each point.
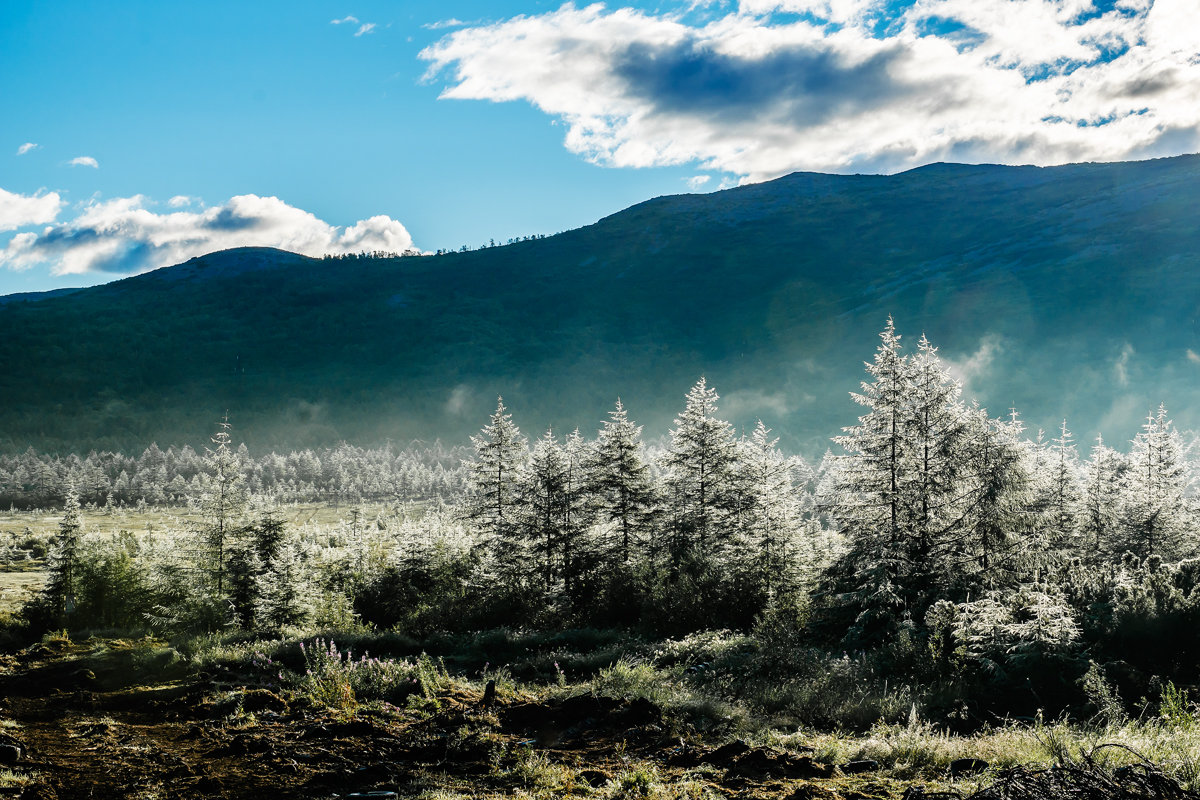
(62, 580)
(700, 477)
(500, 452)
(771, 516)
(222, 504)
(1154, 509)
(620, 485)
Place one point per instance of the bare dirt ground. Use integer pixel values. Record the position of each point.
(111, 718)
(84, 720)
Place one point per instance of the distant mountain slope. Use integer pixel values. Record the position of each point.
(1063, 291)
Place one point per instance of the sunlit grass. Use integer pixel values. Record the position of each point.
(157, 519)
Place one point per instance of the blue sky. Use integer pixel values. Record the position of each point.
(136, 134)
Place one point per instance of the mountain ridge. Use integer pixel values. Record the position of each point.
(1066, 290)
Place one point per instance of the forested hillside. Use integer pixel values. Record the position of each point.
(1065, 291)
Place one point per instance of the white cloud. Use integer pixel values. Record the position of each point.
(363, 27)
(180, 200)
(851, 85)
(696, 181)
(441, 24)
(25, 148)
(84, 161)
(1193, 356)
(124, 236)
(19, 210)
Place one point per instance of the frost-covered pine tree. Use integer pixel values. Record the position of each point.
(1063, 491)
(700, 475)
(268, 534)
(1154, 513)
(864, 499)
(284, 589)
(621, 486)
(1052, 495)
(995, 476)
(1100, 515)
(554, 518)
(249, 556)
(243, 570)
(63, 566)
(500, 452)
(222, 504)
(770, 518)
(930, 485)
(899, 498)
(541, 493)
(825, 542)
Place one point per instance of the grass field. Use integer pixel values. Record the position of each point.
(153, 519)
(25, 535)
(16, 587)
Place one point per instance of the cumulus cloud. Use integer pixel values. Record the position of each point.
(84, 161)
(179, 201)
(19, 210)
(846, 85)
(124, 236)
(347, 20)
(697, 181)
(25, 148)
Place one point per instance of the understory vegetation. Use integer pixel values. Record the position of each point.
(943, 571)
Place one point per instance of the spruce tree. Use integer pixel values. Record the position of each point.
(864, 498)
(771, 515)
(243, 570)
(268, 534)
(222, 504)
(700, 465)
(63, 567)
(867, 495)
(1063, 498)
(901, 488)
(284, 590)
(620, 485)
(542, 496)
(249, 557)
(988, 553)
(500, 452)
(931, 485)
(1100, 516)
(1155, 516)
